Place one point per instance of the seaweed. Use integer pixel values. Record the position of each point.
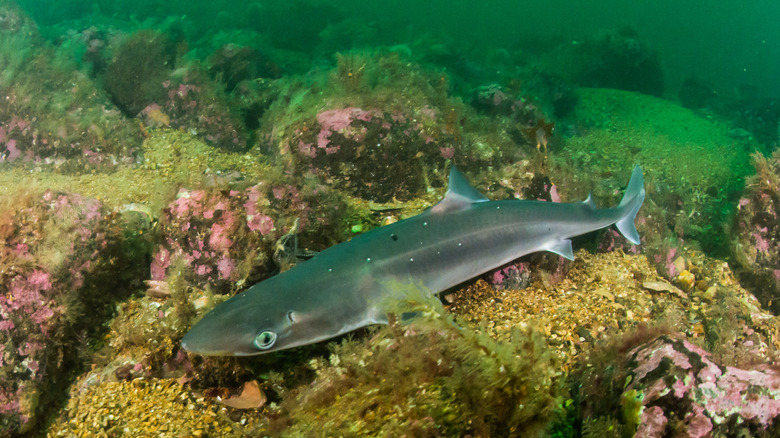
(427, 376)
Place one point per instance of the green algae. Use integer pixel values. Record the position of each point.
(172, 159)
(429, 377)
(693, 168)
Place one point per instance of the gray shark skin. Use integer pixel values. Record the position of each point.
(343, 288)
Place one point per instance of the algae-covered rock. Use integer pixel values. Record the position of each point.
(60, 259)
(674, 387)
(220, 234)
(146, 78)
(611, 59)
(756, 228)
(50, 113)
(228, 236)
(377, 127)
(706, 365)
(141, 64)
(232, 64)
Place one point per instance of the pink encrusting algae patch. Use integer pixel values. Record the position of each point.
(226, 267)
(44, 302)
(653, 422)
(214, 231)
(335, 120)
(699, 425)
(702, 395)
(256, 220)
(755, 234)
(221, 231)
(650, 357)
(160, 263)
(447, 152)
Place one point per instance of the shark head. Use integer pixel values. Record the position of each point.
(244, 327)
(263, 319)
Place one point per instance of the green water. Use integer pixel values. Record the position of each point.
(730, 44)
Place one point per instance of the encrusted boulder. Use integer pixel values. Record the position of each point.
(52, 114)
(675, 388)
(58, 275)
(165, 92)
(219, 234)
(358, 148)
(378, 127)
(229, 237)
(756, 229)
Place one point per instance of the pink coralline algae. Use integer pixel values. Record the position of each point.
(762, 243)
(42, 300)
(612, 240)
(213, 232)
(686, 393)
(336, 120)
(27, 296)
(220, 232)
(447, 152)
(255, 219)
(653, 422)
(515, 276)
(665, 257)
(12, 130)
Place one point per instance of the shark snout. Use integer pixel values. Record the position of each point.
(216, 335)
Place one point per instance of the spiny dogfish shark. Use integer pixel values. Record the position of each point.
(345, 287)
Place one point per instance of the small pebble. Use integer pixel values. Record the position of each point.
(686, 280)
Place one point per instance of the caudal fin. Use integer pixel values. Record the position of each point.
(632, 201)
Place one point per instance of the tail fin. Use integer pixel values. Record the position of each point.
(632, 201)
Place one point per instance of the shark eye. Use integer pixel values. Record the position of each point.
(265, 339)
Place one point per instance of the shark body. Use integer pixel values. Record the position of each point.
(343, 288)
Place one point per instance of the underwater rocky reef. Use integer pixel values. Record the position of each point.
(148, 175)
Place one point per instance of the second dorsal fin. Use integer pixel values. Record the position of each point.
(460, 195)
(589, 202)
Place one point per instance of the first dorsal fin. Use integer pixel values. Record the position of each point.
(460, 195)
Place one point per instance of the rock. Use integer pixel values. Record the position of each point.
(251, 397)
(50, 113)
(227, 237)
(165, 92)
(216, 231)
(58, 266)
(686, 279)
(662, 286)
(756, 245)
(676, 389)
(349, 128)
(492, 99)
